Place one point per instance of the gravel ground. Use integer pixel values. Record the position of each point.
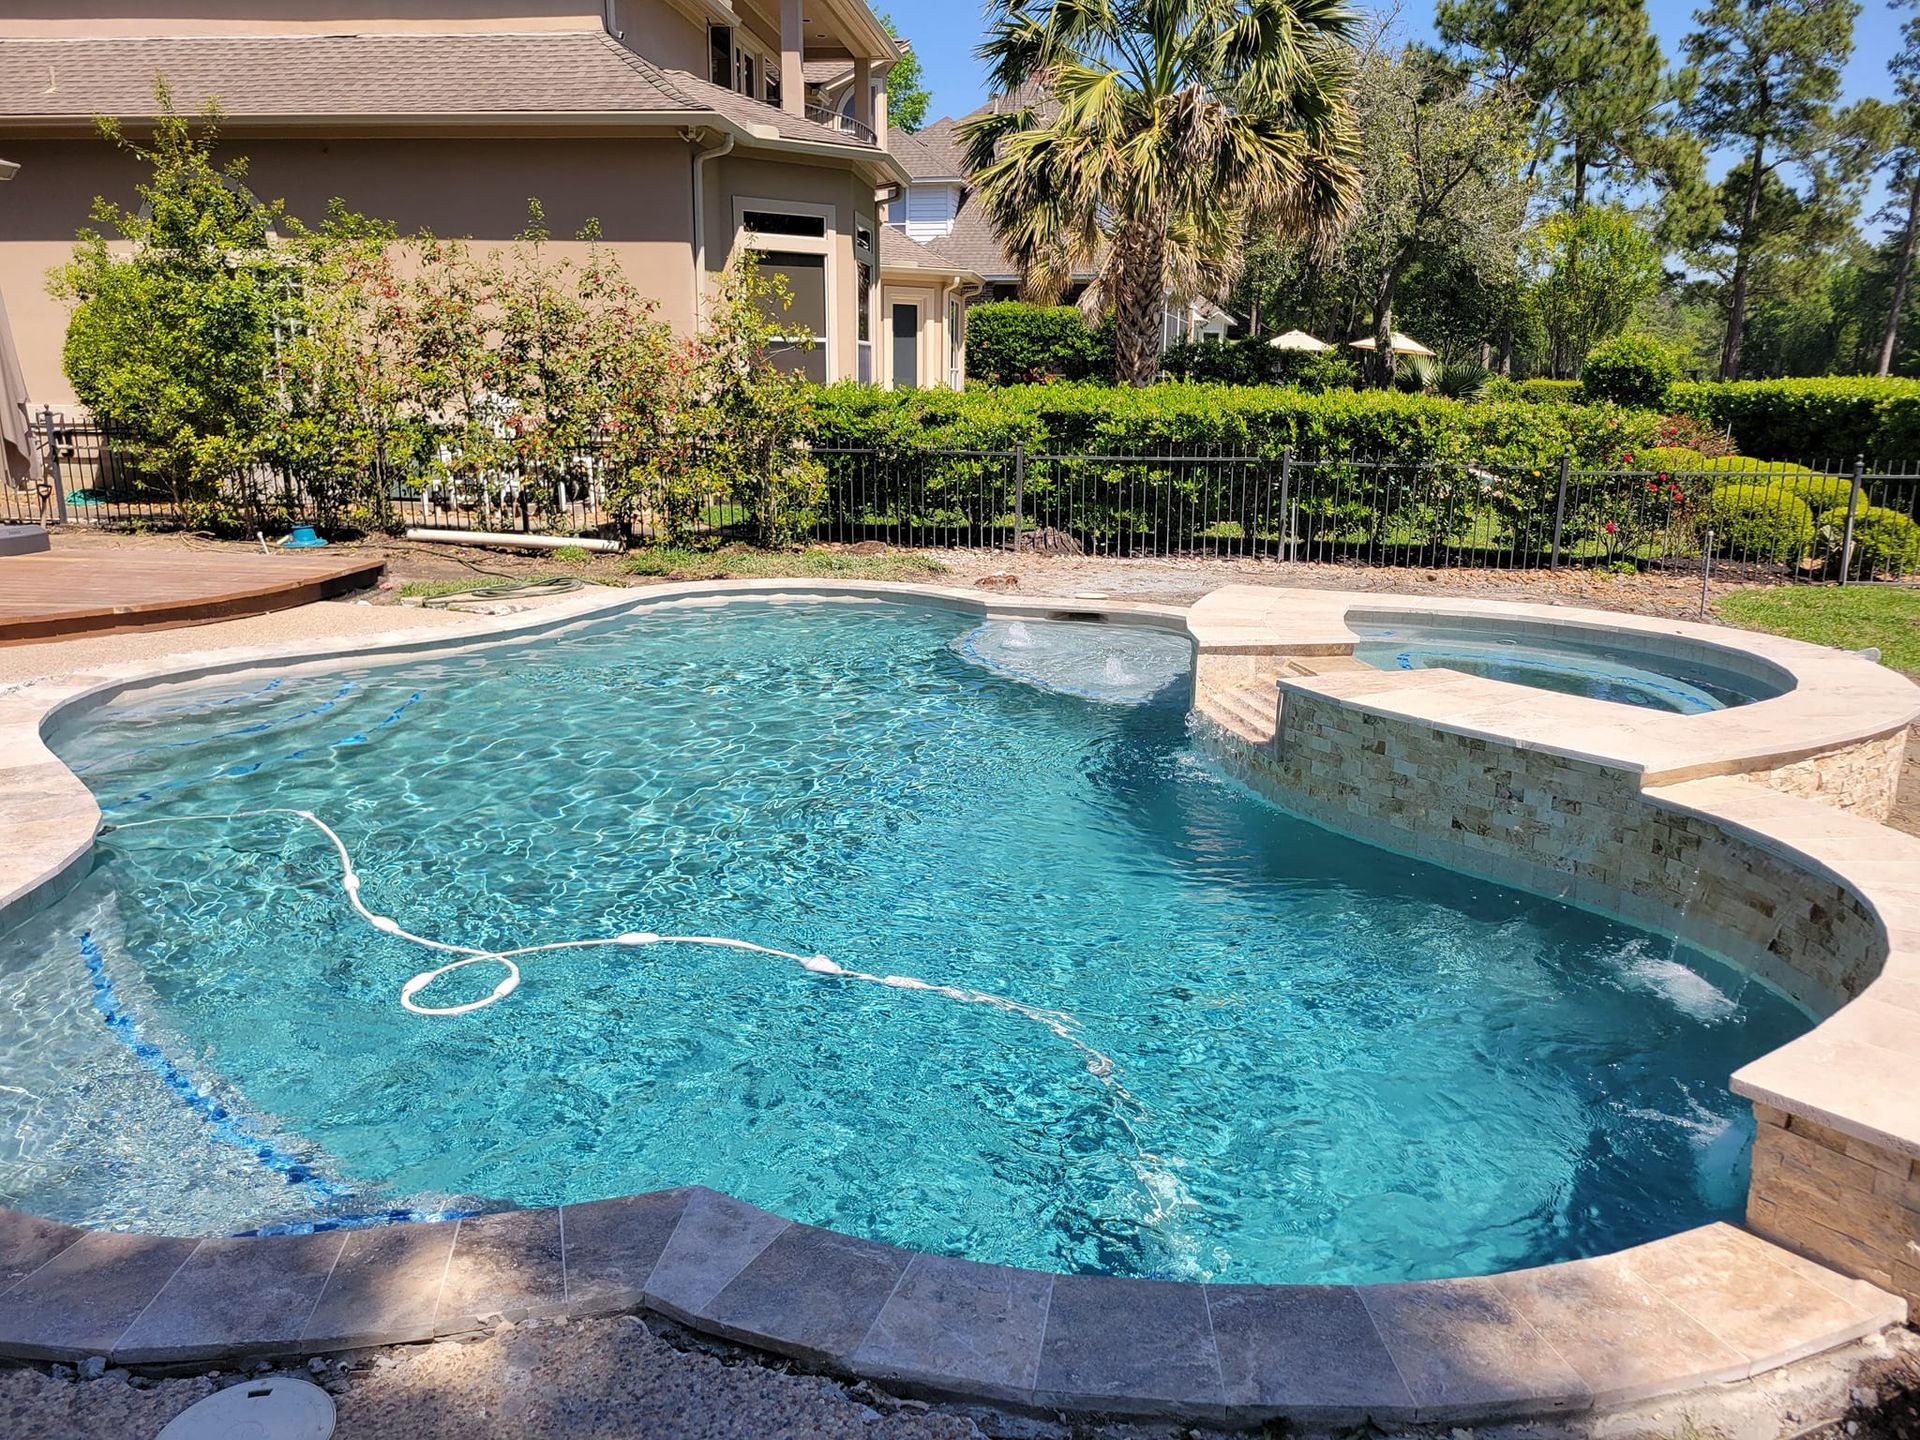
(588, 1378)
(629, 1379)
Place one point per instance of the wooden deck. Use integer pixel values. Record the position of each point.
(100, 592)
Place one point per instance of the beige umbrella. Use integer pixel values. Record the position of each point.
(18, 463)
(1399, 344)
(1298, 340)
(22, 465)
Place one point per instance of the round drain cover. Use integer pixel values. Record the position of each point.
(279, 1408)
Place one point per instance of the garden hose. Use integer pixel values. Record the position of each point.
(506, 590)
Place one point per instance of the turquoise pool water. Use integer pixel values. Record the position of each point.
(1591, 668)
(1177, 1033)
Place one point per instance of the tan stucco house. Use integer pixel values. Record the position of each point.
(683, 126)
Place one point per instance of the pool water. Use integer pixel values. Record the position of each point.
(1593, 669)
(1099, 1010)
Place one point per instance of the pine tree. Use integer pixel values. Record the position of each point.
(1896, 129)
(1769, 73)
(1605, 106)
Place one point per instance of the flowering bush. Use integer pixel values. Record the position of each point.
(1626, 507)
(1692, 434)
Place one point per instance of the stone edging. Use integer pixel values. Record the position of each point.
(1708, 1305)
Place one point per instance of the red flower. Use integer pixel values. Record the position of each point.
(1611, 527)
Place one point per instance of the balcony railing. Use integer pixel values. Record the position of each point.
(836, 120)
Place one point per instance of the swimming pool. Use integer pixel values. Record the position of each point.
(1080, 1004)
(1598, 670)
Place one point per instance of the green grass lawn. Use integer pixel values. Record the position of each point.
(1851, 619)
(739, 563)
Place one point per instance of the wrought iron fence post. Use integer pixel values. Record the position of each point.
(1019, 490)
(1706, 572)
(1286, 503)
(1853, 508)
(1560, 506)
(53, 466)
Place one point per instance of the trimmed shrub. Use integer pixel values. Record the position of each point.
(1885, 542)
(1549, 392)
(1669, 460)
(1759, 522)
(1012, 343)
(1821, 491)
(1833, 418)
(1631, 370)
(1747, 465)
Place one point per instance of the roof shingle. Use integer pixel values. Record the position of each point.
(899, 251)
(371, 76)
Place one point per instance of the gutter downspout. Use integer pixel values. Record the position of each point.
(700, 158)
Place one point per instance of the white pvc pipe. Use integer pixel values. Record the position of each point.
(510, 540)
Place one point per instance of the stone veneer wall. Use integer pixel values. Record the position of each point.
(1859, 778)
(1846, 1203)
(1569, 828)
(1588, 834)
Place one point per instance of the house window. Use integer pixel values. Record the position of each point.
(720, 55)
(780, 222)
(773, 85)
(799, 245)
(800, 347)
(863, 320)
(864, 266)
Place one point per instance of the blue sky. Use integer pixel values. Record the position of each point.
(945, 34)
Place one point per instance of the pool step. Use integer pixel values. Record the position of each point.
(1248, 711)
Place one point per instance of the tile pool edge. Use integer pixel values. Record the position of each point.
(1708, 1305)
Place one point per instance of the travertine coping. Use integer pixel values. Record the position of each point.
(1709, 1305)
(1837, 699)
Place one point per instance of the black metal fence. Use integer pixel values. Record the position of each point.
(1847, 521)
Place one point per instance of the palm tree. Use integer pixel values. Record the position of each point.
(1166, 129)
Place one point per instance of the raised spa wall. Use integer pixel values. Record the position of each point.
(1726, 864)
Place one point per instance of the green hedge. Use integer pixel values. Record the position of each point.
(1375, 467)
(1831, 419)
(1244, 420)
(1549, 392)
(1010, 343)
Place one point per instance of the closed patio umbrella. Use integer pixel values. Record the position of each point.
(21, 465)
(1298, 340)
(1399, 344)
(18, 463)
